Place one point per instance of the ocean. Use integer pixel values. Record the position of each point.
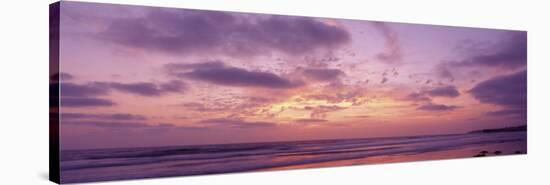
(132, 163)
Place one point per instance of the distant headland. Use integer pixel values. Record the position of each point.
(504, 129)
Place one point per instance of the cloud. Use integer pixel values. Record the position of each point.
(320, 74)
(87, 95)
(442, 70)
(426, 95)
(126, 125)
(507, 91)
(107, 124)
(339, 95)
(85, 102)
(393, 51)
(148, 89)
(321, 111)
(436, 107)
(509, 112)
(200, 107)
(310, 120)
(120, 117)
(425, 98)
(231, 76)
(85, 90)
(235, 123)
(446, 91)
(417, 97)
(510, 53)
(199, 31)
(103, 88)
(76, 95)
(384, 80)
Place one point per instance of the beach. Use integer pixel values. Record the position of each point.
(131, 163)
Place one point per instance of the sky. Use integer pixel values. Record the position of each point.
(135, 76)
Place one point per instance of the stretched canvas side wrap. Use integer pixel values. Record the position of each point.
(144, 92)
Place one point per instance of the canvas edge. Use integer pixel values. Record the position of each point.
(54, 35)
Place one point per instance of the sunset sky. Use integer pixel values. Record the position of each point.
(142, 76)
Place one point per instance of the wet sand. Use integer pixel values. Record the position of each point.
(500, 149)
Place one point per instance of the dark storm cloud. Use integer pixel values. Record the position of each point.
(510, 53)
(436, 107)
(446, 91)
(85, 102)
(230, 76)
(120, 117)
(508, 91)
(194, 31)
(234, 123)
(319, 74)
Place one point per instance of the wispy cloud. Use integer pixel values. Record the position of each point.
(437, 107)
(393, 51)
(235, 123)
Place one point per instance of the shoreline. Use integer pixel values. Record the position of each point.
(506, 149)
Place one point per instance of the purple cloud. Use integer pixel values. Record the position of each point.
(121, 117)
(103, 88)
(179, 31)
(321, 111)
(107, 124)
(510, 53)
(148, 89)
(418, 97)
(442, 70)
(310, 120)
(437, 107)
(232, 76)
(393, 52)
(446, 91)
(508, 91)
(426, 95)
(85, 102)
(319, 74)
(86, 90)
(235, 123)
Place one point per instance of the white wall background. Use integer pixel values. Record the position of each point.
(24, 91)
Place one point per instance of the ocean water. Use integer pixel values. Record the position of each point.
(132, 163)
